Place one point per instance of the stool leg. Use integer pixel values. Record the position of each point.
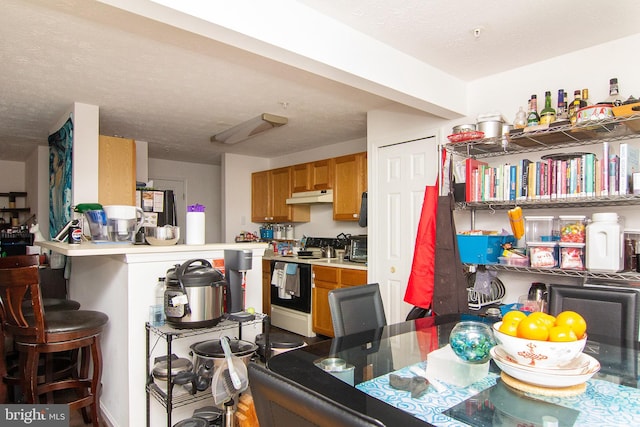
(29, 374)
(84, 373)
(3, 368)
(96, 380)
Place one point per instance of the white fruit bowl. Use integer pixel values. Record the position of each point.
(544, 354)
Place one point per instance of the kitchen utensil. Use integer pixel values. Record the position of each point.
(227, 355)
(162, 236)
(328, 252)
(208, 355)
(195, 295)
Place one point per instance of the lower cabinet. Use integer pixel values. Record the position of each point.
(326, 279)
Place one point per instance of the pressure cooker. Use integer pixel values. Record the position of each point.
(195, 295)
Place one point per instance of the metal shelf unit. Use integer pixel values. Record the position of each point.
(609, 130)
(169, 334)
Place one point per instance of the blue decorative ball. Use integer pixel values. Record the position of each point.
(472, 341)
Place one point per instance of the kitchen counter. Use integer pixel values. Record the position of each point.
(330, 262)
(120, 280)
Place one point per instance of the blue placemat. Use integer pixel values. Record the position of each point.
(602, 404)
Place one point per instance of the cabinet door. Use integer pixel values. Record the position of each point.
(116, 171)
(281, 191)
(260, 197)
(266, 287)
(301, 177)
(351, 277)
(348, 185)
(324, 279)
(321, 173)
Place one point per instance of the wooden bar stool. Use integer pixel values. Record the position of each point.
(34, 334)
(50, 304)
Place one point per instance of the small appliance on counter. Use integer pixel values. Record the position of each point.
(358, 248)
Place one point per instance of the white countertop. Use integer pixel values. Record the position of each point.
(329, 262)
(91, 249)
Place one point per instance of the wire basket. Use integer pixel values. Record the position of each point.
(476, 300)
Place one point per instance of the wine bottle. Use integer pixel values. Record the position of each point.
(533, 118)
(548, 114)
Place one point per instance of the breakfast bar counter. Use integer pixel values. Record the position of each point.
(610, 397)
(120, 280)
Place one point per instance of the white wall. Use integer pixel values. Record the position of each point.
(12, 177)
(202, 186)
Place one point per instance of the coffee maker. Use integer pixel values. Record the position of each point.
(236, 264)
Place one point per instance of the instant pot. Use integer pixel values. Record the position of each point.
(195, 295)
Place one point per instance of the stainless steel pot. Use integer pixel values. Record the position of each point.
(209, 355)
(195, 295)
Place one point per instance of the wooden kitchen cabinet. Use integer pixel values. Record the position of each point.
(116, 171)
(326, 279)
(349, 182)
(266, 287)
(269, 193)
(311, 176)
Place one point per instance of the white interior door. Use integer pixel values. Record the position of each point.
(404, 170)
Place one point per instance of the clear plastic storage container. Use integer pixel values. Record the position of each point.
(539, 228)
(572, 256)
(572, 228)
(543, 254)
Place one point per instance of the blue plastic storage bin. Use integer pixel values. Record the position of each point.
(482, 249)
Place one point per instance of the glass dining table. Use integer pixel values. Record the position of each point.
(368, 360)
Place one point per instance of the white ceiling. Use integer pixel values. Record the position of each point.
(175, 89)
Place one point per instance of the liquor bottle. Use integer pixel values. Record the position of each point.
(533, 119)
(614, 97)
(575, 106)
(521, 119)
(548, 114)
(585, 99)
(561, 112)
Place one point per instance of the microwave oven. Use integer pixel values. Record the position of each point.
(358, 248)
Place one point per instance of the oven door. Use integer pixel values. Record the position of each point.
(299, 303)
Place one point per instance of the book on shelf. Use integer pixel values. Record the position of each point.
(629, 164)
(614, 161)
(471, 173)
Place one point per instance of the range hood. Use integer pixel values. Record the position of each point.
(309, 197)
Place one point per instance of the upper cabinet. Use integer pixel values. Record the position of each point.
(269, 193)
(116, 171)
(311, 176)
(349, 182)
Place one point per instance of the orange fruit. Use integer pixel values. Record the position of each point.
(562, 334)
(513, 315)
(573, 320)
(509, 327)
(548, 320)
(532, 329)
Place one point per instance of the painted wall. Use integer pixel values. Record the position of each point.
(202, 185)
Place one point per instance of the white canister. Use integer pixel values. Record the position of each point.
(289, 232)
(195, 225)
(604, 235)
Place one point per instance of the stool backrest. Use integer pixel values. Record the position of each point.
(19, 261)
(15, 283)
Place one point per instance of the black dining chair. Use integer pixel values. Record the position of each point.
(282, 402)
(356, 309)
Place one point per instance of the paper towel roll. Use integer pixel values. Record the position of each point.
(195, 228)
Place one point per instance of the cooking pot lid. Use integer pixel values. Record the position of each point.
(213, 348)
(177, 365)
(192, 422)
(197, 275)
(280, 340)
(208, 413)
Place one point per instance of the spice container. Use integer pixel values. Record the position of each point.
(604, 250)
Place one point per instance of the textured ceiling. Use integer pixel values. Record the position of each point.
(175, 89)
